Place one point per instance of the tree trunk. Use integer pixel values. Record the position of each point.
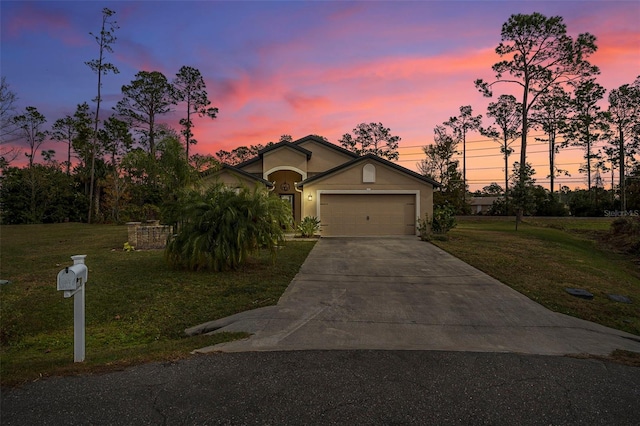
(552, 159)
(506, 178)
(623, 198)
(69, 159)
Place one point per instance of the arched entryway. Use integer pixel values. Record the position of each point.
(284, 181)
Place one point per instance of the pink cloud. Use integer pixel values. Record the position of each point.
(304, 103)
(29, 20)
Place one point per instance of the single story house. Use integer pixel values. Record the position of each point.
(351, 195)
(482, 205)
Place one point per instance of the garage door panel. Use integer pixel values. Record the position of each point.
(367, 214)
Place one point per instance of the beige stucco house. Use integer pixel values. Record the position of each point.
(350, 194)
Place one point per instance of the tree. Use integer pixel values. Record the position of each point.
(8, 128)
(30, 124)
(82, 143)
(523, 187)
(461, 125)
(440, 166)
(439, 156)
(539, 55)
(147, 97)
(115, 138)
(492, 189)
(507, 116)
(190, 88)
(624, 117)
(105, 39)
(372, 138)
(550, 116)
(42, 193)
(204, 163)
(243, 153)
(66, 130)
(588, 123)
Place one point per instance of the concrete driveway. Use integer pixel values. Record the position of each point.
(402, 293)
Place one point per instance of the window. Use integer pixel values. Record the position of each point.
(369, 173)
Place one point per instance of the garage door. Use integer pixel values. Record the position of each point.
(367, 214)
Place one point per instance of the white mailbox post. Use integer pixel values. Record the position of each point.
(71, 280)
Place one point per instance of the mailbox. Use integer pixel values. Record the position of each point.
(72, 277)
(71, 280)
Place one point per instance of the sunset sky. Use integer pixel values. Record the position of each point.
(302, 67)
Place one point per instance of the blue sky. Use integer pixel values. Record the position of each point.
(299, 68)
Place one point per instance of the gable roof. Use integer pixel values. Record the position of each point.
(274, 147)
(370, 157)
(241, 172)
(282, 145)
(295, 145)
(326, 143)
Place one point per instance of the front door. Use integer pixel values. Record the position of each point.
(289, 198)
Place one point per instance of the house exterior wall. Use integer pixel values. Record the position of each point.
(254, 168)
(284, 158)
(388, 181)
(323, 158)
(230, 180)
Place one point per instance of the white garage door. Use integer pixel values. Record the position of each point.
(367, 214)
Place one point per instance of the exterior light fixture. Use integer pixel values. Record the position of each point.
(310, 197)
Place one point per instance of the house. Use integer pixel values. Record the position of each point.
(351, 195)
(482, 205)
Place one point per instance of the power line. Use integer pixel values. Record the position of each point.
(479, 141)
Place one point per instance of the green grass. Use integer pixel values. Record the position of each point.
(136, 307)
(545, 256)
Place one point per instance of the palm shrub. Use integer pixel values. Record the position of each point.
(219, 229)
(308, 226)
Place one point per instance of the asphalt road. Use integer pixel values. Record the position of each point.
(339, 387)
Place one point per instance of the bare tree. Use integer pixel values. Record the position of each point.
(105, 39)
(8, 128)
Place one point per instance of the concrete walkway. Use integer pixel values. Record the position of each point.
(402, 293)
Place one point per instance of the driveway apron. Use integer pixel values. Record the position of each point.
(402, 293)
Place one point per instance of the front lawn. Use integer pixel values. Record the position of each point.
(545, 256)
(136, 307)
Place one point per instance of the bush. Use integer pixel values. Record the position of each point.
(624, 234)
(308, 226)
(424, 228)
(219, 229)
(443, 221)
(626, 225)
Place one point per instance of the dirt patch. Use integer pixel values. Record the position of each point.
(618, 356)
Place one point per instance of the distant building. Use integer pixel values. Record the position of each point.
(481, 205)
